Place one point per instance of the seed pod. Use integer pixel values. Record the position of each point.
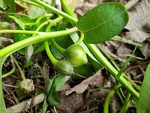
(76, 55)
(64, 67)
(27, 85)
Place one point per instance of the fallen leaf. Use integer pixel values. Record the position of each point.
(97, 80)
(71, 103)
(139, 22)
(145, 50)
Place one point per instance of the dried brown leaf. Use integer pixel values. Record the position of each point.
(139, 22)
(97, 80)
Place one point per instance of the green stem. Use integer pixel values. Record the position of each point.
(50, 55)
(62, 50)
(67, 8)
(31, 3)
(21, 31)
(108, 98)
(126, 104)
(79, 40)
(132, 82)
(2, 103)
(22, 5)
(126, 77)
(43, 16)
(112, 70)
(53, 9)
(43, 24)
(29, 41)
(19, 68)
(118, 38)
(112, 61)
(11, 71)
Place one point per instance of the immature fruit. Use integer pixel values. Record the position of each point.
(64, 67)
(76, 55)
(27, 85)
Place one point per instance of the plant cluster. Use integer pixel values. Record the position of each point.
(53, 30)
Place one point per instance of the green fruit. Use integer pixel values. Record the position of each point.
(76, 55)
(64, 67)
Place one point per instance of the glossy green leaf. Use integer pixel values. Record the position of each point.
(144, 99)
(52, 89)
(103, 22)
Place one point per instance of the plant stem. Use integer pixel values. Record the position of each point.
(55, 21)
(118, 38)
(112, 70)
(51, 57)
(60, 49)
(132, 82)
(53, 9)
(108, 98)
(43, 24)
(2, 102)
(21, 31)
(43, 16)
(31, 3)
(19, 68)
(26, 42)
(67, 8)
(126, 103)
(11, 71)
(109, 58)
(79, 40)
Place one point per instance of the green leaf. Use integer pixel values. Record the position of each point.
(18, 21)
(4, 4)
(144, 99)
(29, 52)
(35, 11)
(8, 3)
(52, 89)
(103, 22)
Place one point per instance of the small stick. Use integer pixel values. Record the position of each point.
(23, 106)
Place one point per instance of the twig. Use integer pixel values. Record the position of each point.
(131, 4)
(23, 106)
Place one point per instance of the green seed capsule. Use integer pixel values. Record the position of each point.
(76, 55)
(64, 67)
